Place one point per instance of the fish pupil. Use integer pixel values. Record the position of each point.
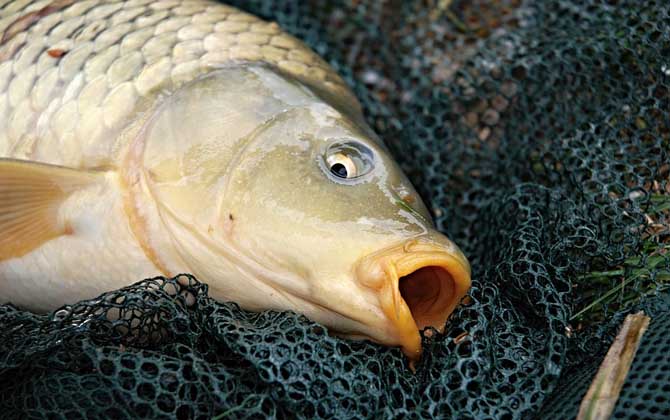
(339, 170)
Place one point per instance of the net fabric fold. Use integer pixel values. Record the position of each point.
(536, 131)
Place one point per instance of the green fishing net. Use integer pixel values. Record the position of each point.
(538, 134)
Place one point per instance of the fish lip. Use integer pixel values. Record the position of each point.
(382, 272)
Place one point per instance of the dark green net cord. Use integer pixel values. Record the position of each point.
(538, 133)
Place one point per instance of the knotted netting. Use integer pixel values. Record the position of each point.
(538, 134)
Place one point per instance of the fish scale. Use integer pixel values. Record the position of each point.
(70, 109)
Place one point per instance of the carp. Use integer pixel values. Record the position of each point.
(142, 138)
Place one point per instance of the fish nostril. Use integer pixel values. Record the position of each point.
(429, 294)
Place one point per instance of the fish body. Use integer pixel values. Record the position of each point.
(142, 138)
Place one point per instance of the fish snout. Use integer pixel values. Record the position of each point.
(419, 284)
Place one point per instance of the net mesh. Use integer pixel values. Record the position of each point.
(538, 134)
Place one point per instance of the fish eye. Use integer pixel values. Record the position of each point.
(348, 160)
(342, 166)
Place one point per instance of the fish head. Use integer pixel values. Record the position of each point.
(296, 194)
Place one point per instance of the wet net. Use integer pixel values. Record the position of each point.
(538, 134)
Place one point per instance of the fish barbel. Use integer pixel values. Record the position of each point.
(142, 138)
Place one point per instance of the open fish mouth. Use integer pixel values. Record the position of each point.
(419, 284)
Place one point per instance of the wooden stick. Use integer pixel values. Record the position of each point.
(599, 401)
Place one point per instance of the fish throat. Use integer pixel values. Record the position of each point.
(427, 292)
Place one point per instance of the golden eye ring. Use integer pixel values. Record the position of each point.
(347, 161)
(342, 166)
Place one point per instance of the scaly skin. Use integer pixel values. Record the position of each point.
(118, 56)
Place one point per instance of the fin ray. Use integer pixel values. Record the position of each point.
(30, 196)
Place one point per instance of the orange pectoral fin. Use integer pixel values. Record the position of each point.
(30, 195)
